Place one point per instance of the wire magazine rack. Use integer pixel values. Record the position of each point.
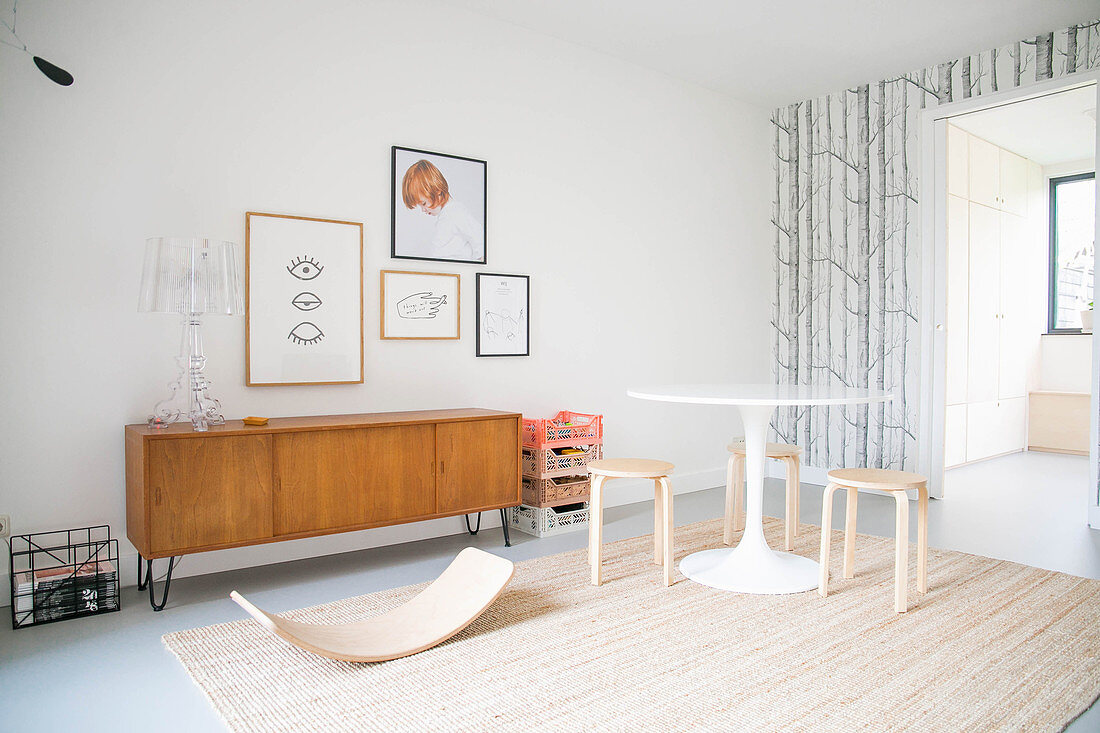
(61, 575)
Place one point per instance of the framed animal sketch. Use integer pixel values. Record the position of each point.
(503, 315)
(303, 300)
(419, 305)
(437, 207)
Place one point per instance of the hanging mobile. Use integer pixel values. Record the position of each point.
(53, 72)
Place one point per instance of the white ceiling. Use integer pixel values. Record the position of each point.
(1053, 129)
(775, 53)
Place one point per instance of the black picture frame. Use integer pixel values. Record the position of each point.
(525, 314)
(393, 206)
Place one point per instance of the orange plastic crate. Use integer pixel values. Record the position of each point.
(563, 430)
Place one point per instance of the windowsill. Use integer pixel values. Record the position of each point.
(1067, 333)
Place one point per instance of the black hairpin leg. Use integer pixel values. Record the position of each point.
(473, 530)
(140, 563)
(149, 582)
(503, 524)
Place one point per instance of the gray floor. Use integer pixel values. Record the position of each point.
(111, 672)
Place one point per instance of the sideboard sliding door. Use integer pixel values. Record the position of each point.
(478, 464)
(375, 476)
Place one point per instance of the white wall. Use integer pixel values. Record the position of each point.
(1067, 363)
(638, 204)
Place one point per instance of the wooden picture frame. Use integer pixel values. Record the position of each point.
(419, 306)
(503, 314)
(289, 261)
(454, 228)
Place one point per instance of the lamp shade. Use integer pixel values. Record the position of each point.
(183, 275)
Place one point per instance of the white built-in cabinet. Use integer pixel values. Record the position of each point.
(984, 283)
(997, 177)
(995, 298)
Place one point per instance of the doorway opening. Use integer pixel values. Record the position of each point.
(1013, 350)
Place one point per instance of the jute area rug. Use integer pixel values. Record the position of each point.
(992, 646)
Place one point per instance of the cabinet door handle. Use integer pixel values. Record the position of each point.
(441, 466)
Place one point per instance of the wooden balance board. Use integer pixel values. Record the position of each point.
(466, 588)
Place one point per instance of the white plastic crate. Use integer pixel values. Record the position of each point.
(548, 521)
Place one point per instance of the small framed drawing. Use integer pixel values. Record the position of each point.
(419, 305)
(438, 207)
(503, 315)
(303, 300)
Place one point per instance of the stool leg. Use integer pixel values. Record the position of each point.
(797, 481)
(666, 498)
(826, 530)
(739, 494)
(790, 520)
(591, 514)
(658, 522)
(731, 487)
(922, 539)
(595, 526)
(850, 533)
(901, 561)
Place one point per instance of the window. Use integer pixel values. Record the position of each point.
(1072, 231)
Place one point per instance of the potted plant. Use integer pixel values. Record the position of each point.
(1086, 319)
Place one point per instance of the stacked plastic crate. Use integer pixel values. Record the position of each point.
(556, 452)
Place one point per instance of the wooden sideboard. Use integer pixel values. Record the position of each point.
(294, 477)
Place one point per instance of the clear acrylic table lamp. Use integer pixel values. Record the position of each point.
(191, 277)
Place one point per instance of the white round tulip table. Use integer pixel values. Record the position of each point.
(752, 566)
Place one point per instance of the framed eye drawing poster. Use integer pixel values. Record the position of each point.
(437, 207)
(503, 315)
(419, 305)
(303, 300)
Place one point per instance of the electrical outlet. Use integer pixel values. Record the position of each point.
(5, 526)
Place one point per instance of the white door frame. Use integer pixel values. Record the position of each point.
(933, 304)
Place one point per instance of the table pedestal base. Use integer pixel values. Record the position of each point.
(748, 568)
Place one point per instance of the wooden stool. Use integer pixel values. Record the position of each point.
(609, 468)
(896, 482)
(735, 497)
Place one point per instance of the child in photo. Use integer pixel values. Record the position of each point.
(458, 234)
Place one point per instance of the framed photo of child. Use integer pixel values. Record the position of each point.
(438, 207)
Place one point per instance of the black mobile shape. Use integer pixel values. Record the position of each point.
(304, 268)
(306, 301)
(305, 333)
(53, 72)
